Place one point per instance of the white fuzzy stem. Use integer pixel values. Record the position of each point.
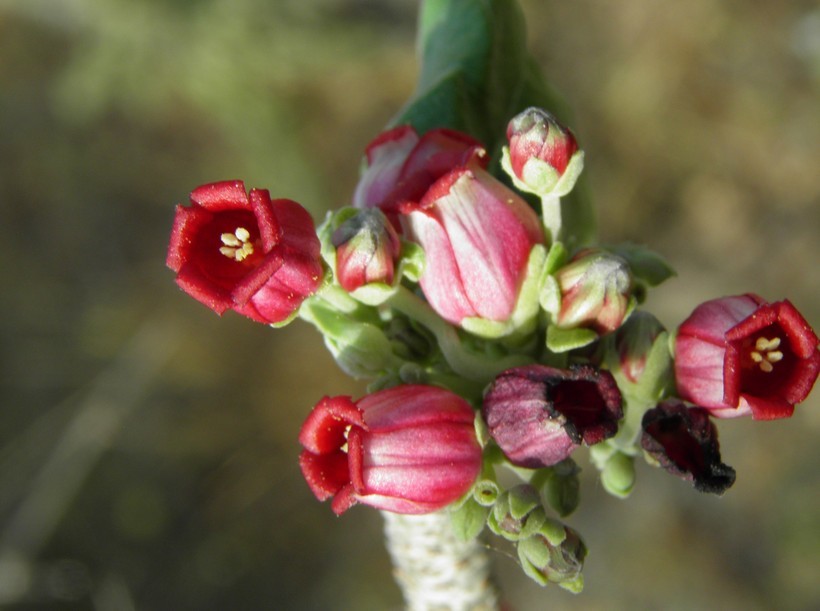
(436, 571)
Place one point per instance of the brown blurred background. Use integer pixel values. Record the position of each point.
(149, 448)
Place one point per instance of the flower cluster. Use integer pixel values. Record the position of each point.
(488, 339)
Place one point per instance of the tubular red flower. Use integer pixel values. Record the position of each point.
(243, 252)
(538, 415)
(401, 166)
(740, 355)
(477, 236)
(685, 443)
(409, 449)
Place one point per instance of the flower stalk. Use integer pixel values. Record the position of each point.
(434, 569)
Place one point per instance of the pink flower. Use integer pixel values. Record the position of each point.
(538, 415)
(477, 236)
(401, 166)
(408, 449)
(367, 249)
(543, 156)
(740, 355)
(685, 443)
(244, 252)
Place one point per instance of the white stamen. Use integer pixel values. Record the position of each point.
(774, 357)
(766, 366)
(237, 246)
(756, 357)
(244, 235)
(229, 239)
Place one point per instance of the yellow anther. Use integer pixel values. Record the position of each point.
(766, 366)
(774, 357)
(237, 246)
(767, 344)
(756, 357)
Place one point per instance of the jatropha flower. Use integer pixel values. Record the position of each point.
(241, 251)
(401, 166)
(740, 355)
(477, 236)
(685, 443)
(543, 157)
(538, 415)
(595, 291)
(408, 449)
(367, 248)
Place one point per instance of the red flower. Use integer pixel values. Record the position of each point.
(685, 443)
(401, 166)
(740, 355)
(538, 415)
(244, 252)
(408, 449)
(477, 236)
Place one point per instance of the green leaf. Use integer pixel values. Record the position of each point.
(564, 340)
(469, 519)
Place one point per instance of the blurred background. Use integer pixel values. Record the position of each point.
(148, 455)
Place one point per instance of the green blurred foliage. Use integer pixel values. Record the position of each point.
(148, 453)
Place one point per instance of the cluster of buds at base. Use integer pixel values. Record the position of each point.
(554, 554)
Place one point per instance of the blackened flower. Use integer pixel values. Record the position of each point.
(408, 449)
(685, 443)
(538, 415)
(241, 251)
(740, 355)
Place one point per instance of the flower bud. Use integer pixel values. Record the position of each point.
(367, 249)
(245, 252)
(543, 157)
(740, 355)
(538, 415)
(633, 343)
(408, 449)
(595, 292)
(517, 513)
(554, 555)
(685, 443)
(401, 166)
(477, 236)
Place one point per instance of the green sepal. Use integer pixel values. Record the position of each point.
(360, 348)
(648, 268)
(564, 340)
(468, 519)
(575, 586)
(560, 485)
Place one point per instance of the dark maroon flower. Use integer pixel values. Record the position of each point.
(685, 442)
(408, 449)
(740, 355)
(539, 414)
(241, 251)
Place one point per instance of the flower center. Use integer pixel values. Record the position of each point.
(237, 245)
(766, 353)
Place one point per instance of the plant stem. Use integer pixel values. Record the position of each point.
(435, 570)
